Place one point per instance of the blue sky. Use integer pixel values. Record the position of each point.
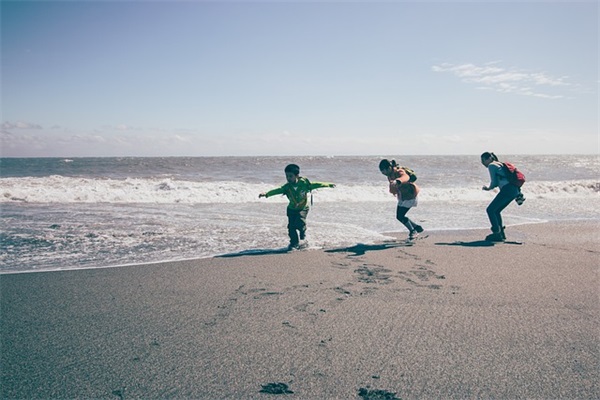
(199, 78)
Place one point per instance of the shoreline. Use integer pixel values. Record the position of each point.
(398, 234)
(449, 316)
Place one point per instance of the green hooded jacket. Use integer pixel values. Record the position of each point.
(298, 193)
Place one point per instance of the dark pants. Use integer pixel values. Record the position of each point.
(296, 225)
(401, 216)
(507, 194)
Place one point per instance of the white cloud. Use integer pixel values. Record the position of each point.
(20, 125)
(491, 77)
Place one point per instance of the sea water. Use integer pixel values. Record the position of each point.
(59, 213)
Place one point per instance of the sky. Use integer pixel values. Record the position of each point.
(245, 78)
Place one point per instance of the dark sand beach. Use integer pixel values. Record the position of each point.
(448, 317)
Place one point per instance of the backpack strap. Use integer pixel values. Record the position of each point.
(309, 190)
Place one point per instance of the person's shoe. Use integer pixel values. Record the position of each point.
(419, 228)
(413, 235)
(520, 199)
(494, 237)
(293, 246)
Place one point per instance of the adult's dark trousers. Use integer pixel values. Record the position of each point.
(507, 194)
(296, 225)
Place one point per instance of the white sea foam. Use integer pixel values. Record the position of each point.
(80, 213)
(59, 189)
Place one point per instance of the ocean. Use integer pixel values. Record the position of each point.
(60, 214)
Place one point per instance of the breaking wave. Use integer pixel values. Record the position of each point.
(59, 189)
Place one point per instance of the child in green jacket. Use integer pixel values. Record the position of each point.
(296, 189)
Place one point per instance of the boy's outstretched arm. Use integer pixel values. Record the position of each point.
(317, 185)
(273, 192)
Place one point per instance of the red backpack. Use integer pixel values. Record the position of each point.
(513, 175)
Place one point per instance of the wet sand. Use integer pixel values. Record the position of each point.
(448, 317)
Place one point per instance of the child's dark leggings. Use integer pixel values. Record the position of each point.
(401, 216)
(296, 224)
(507, 194)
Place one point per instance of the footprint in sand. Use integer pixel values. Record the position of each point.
(373, 274)
(422, 276)
(374, 394)
(276, 388)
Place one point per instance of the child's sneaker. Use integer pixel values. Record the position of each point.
(293, 246)
(413, 235)
(520, 199)
(419, 228)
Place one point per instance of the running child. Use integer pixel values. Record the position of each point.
(296, 189)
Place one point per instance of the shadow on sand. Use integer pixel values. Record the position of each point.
(360, 249)
(255, 252)
(477, 243)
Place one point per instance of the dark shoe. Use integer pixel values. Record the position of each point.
(494, 237)
(520, 199)
(419, 228)
(413, 235)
